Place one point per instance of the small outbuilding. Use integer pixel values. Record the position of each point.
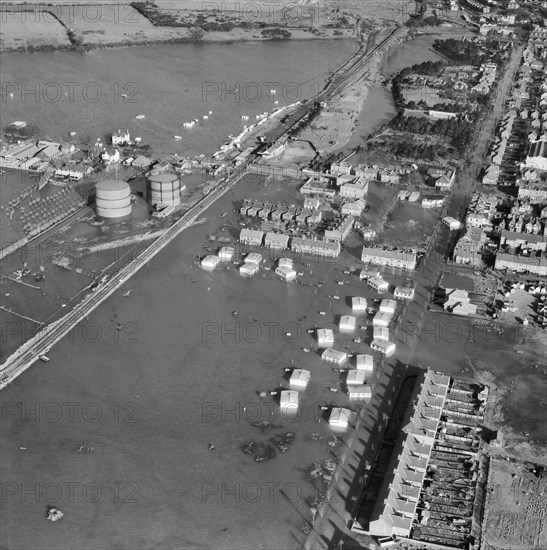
(299, 378)
(339, 417)
(356, 378)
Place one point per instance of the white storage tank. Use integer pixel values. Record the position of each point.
(112, 199)
(164, 189)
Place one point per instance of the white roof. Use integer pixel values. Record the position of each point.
(289, 399)
(381, 333)
(253, 257)
(339, 417)
(299, 377)
(248, 269)
(383, 346)
(249, 234)
(363, 392)
(378, 282)
(382, 319)
(210, 261)
(355, 377)
(334, 355)
(358, 303)
(347, 322)
(325, 336)
(286, 272)
(388, 306)
(364, 362)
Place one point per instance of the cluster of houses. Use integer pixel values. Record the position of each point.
(309, 214)
(521, 232)
(434, 461)
(34, 155)
(300, 245)
(527, 110)
(486, 79)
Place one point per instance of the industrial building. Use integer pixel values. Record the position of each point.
(112, 199)
(164, 189)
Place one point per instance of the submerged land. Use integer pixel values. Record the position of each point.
(420, 247)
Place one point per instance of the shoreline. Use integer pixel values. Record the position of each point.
(177, 40)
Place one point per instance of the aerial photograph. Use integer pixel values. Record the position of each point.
(273, 274)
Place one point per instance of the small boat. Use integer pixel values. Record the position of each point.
(188, 124)
(22, 448)
(72, 134)
(177, 137)
(322, 313)
(44, 358)
(211, 446)
(205, 117)
(244, 117)
(139, 117)
(196, 120)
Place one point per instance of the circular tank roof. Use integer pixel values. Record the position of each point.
(164, 176)
(111, 185)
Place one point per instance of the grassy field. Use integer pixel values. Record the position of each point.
(107, 22)
(20, 30)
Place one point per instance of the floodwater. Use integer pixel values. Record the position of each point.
(379, 107)
(61, 92)
(148, 399)
(119, 440)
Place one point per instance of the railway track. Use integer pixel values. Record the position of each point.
(31, 351)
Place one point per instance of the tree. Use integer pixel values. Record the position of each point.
(196, 34)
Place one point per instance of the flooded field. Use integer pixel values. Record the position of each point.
(184, 372)
(510, 357)
(409, 225)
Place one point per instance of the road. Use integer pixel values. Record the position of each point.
(331, 530)
(50, 335)
(42, 342)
